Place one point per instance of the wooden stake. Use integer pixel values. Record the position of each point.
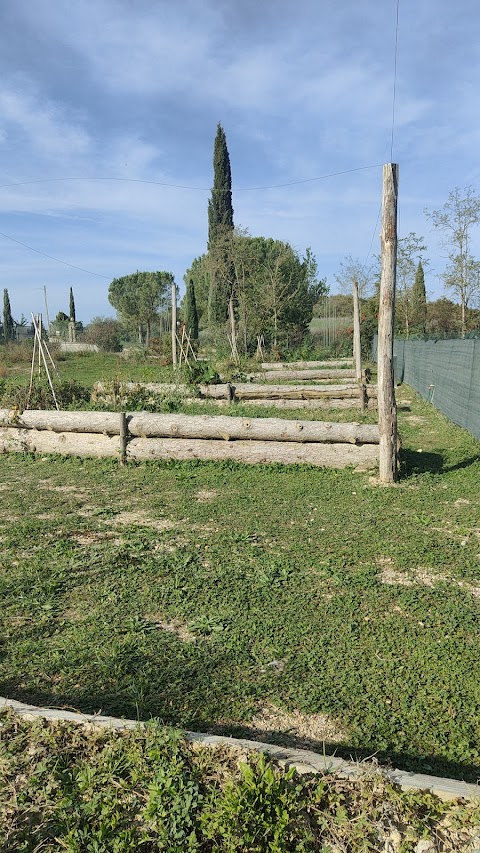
(123, 438)
(357, 351)
(387, 408)
(174, 324)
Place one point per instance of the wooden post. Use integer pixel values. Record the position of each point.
(357, 350)
(174, 324)
(123, 438)
(387, 408)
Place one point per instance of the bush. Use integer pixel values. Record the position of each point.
(67, 392)
(105, 332)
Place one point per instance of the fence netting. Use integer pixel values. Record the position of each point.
(445, 372)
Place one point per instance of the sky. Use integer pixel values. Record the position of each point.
(109, 109)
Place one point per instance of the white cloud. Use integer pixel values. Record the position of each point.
(44, 125)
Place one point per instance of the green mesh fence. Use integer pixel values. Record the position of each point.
(445, 372)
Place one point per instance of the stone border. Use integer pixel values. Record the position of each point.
(303, 760)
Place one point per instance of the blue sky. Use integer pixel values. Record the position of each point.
(133, 89)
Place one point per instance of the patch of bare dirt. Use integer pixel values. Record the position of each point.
(173, 626)
(420, 575)
(142, 519)
(206, 495)
(305, 728)
(90, 537)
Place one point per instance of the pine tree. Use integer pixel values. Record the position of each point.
(220, 231)
(72, 307)
(419, 301)
(8, 324)
(190, 314)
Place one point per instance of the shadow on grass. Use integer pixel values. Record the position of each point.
(414, 462)
(115, 707)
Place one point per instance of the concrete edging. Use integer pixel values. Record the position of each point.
(305, 761)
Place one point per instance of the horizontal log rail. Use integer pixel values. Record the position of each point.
(181, 426)
(306, 365)
(238, 391)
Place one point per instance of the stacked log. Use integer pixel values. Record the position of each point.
(306, 365)
(338, 374)
(175, 436)
(342, 395)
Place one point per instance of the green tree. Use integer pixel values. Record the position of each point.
(220, 209)
(72, 307)
(8, 324)
(220, 230)
(137, 298)
(419, 301)
(455, 221)
(190, 311)
(410, 251)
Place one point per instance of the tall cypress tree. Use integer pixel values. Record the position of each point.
(190, 313)
(220, 230)
(220, 209)
(72, 307)
(8, 324)
(419, 301)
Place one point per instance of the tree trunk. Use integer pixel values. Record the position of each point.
(387, 409)
(306, 375)
(363, 457)
(306, 365)
(262, 429)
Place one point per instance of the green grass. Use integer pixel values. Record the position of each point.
(66, 787)
(198, 593)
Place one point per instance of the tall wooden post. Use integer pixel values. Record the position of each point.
(387, 407)
(357, 349)
(174, 324)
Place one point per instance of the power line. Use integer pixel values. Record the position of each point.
(394, 81)
(38, 252)
(186, 187)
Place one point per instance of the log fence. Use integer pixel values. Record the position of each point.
(147, 436)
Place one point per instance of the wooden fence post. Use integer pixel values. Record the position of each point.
(123, 438)
(387, 407)
(174, 324)
(357, 349)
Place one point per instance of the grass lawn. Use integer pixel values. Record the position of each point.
(300, 604)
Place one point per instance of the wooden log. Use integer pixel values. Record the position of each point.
(81, 422)
(306, 365)
(13, 439)
(210, 391)
(363, 457)
(357, 349)
(325, 403)
(307, 375)
(249, 391)
(387, 407)
(145, 424)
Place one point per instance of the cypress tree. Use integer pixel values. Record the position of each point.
(220, 229)
(220, 209)
(191, 314)
(8, 324)
(419, 301)
(72, 307)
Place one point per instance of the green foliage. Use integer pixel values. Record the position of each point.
(220, 208)
(138, 296)
(68, 787)
(419, 302)
(190, 314)
(72, 316)
(202, 373)
(104, 332)
(68, 392)
(8, 324)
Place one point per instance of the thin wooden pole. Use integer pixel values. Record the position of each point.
(387, 407)
(174, 324)
(357, 350)
(123, 438)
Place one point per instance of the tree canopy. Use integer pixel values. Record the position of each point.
(137, 298)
